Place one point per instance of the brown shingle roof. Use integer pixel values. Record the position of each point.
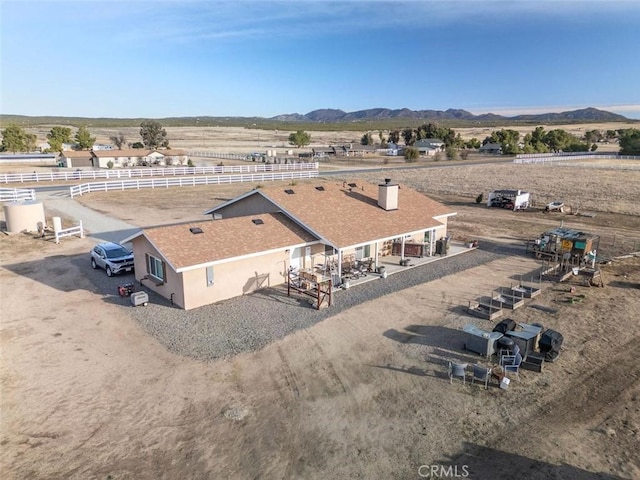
(347, 215)
(127, 152)
(76, 154)
(227, 238)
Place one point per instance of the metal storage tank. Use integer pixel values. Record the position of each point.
(24, 215)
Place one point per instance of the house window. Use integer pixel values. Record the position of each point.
(156, 268)
(209, 276)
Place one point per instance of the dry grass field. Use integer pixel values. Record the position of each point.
(88, 393)
(246, 140)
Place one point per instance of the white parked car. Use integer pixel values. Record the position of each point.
(112, 257)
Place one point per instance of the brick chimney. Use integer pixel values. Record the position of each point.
(388, 195)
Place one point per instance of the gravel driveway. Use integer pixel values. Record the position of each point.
(252, 321)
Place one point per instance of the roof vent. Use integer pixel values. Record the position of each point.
(289, 191)
(320, 189)
(257, 221)
(195, 230)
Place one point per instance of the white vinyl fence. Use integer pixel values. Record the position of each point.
(568, 157)
(67, 232)
(15, 194)
(154, 172)
(187, 181)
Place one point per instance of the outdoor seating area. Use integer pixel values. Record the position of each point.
(507, 349)
(364, 270)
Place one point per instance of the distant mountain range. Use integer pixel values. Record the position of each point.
(350, 120)
(332, 116)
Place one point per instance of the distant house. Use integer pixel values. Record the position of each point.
(138, 157)
(75, 159)
(491, 149)
(255, 239)
(430, 142)
(429, 146)
(362, 150)
(323, 152)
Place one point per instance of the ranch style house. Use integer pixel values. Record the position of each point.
(256, 239)
(121, 158)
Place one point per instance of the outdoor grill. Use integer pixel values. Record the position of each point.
(549, 345)
(505, 326)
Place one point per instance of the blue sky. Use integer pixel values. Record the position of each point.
(264, 58)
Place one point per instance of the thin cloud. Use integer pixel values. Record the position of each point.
(193, 21)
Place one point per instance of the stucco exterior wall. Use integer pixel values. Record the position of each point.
(233, 279)
(173, 282)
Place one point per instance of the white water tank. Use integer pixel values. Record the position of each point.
(23, 216)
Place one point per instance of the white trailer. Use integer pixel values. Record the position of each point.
(511, 199)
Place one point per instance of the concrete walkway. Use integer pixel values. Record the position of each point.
(96, 225)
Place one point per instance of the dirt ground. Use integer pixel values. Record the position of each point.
(86, 393)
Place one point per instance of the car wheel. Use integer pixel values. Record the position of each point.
(93, 263)
(109, 272)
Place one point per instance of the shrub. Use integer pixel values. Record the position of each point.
(109, 164)
(190, 163)
(479, 198)
(411, 154)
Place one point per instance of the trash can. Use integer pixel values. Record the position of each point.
(382, 270)
(139, 298)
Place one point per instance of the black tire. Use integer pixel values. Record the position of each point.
(93, 263)
(109, 272)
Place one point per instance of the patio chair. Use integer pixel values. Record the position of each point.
(457, 370)
(511, 363)
(481, 373)
(515, 350)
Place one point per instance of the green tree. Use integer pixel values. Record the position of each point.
(409, 136)
(15, 139)
(558, 140)
(577, 146)
(299, 138)
(411, 154)
(153, 134)
(366, 139)
(611, 134)
(474, 143)
(629, 140)
(508, 140)
(593, 136)
(534, 142)
(394, 136)
(58, 136)
(84, 139)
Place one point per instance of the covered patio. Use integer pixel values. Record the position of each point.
(391, 265)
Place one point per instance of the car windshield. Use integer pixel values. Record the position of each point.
(117, 252)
